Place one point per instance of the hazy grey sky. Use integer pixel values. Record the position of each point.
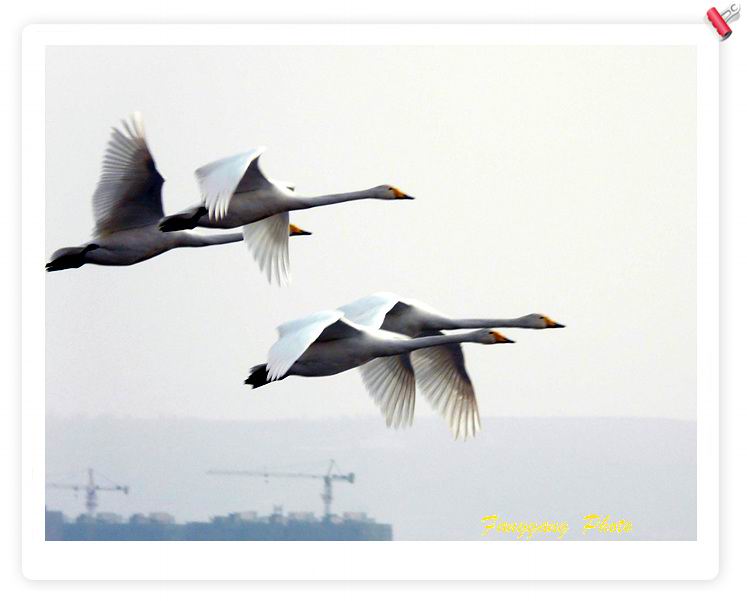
(551, 179)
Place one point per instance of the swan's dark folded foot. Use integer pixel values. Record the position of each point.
(176, 223)
(182, 221)
(69, 258)
(60, 264)
(257, 376)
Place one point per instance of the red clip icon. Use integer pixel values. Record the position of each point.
(721, 20)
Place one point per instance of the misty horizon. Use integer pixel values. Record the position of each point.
(520, 468)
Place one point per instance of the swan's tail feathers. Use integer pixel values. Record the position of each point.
(182, 221)
(70, 257)
(257, 376)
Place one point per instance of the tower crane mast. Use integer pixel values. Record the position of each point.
(91, 489)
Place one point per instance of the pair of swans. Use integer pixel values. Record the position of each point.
(397, 343)
(131, 226)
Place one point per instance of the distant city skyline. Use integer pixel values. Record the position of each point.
(424, 484)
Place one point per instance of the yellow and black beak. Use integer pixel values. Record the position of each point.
(500, 337)
(294, 230)
(399, 194)
(552, 324)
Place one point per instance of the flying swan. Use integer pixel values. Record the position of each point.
(326, 343)
(440, 371)
(127, 208)
(236, 193)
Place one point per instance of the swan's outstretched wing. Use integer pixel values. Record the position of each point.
(221, 179)
(370, 310)
(267, 240)
(442, 376)
(391, 312)
(391, 383)
(128, 194)
(298, 335)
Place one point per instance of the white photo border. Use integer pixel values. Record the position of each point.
(400, 560)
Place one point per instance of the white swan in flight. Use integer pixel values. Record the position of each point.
(440, 371)
(414, 318)
(127, 208)
(236, 193)
(326, 343)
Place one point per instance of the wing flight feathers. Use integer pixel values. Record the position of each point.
(442, 377)
(298, 335)
(128, 194)
(220, 180)
(267, 240)
(370, 310)
(391, 383)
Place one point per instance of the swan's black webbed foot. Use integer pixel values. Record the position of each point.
(182, 221)
(69, 258)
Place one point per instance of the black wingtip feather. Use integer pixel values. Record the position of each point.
(257, 376)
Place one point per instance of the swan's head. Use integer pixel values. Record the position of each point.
(537, 321)
(491, 337)
(294, 230)
(387, 192)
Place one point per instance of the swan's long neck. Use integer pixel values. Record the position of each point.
(308, 202)
(473, 324)
(397, 347)
(192, 240)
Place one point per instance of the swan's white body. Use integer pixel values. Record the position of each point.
(326, 343)
(236, 193)
(440, 371)
(128, 247)
(127, 208)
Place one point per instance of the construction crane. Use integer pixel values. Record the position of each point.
(91, 489)
(327, 479)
